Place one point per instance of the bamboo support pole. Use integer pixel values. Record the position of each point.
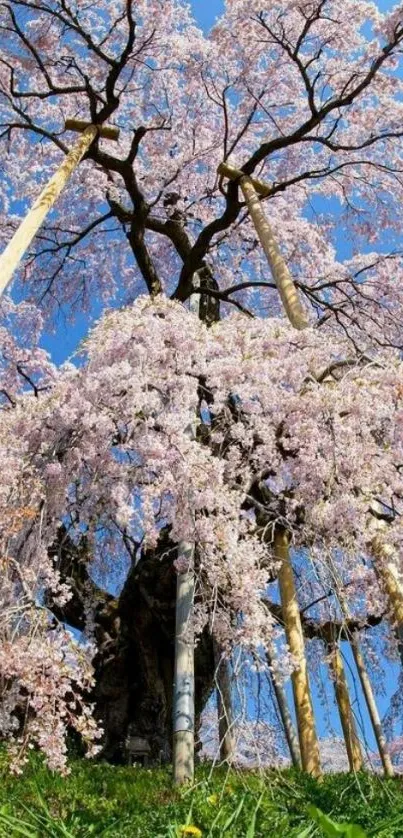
(353, 745)
(281, 275)
(308, 741)
(224, 706)
(22, 238)
(285, 716)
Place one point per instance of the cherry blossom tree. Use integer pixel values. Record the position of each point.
(296, 431)
(110, 465)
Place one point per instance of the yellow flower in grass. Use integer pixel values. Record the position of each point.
(191, 830)
(213, 799)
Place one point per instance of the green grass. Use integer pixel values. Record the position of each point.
(98, 799)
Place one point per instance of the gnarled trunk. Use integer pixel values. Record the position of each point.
(134, 633)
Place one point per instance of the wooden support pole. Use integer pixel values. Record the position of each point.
(285, 715)
(386, 564)
(353, 745)
(224, 706)
(308, 741)
(108, 132)
(388, 573)
(368, 693)
(387, 569)
(281, 275)
(372, 708)
(22, 238)
(232, 173)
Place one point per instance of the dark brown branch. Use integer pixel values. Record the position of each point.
(343, 628)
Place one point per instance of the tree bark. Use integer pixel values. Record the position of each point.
(224, 706)
(135, 634)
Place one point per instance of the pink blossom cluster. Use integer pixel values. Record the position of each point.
(45, 675)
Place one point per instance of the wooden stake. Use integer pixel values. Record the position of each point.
(285, 715)
(281, 275)
(353, 746)
(22, 238)
(308, 741)
(368, 694)
(372, 709)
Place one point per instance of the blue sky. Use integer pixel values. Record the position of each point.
(206, 11)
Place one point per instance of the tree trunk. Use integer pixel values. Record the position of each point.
(224, 706)
(135, 635)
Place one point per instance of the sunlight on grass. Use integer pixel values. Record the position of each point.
(101, 800)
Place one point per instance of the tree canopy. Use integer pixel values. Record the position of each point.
(295, 431)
